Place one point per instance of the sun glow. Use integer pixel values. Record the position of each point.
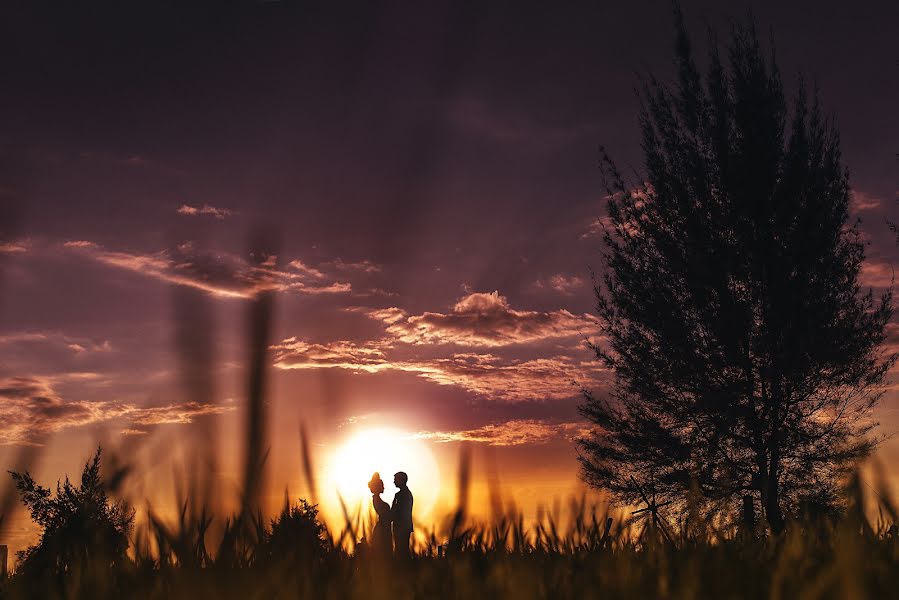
(386, 451)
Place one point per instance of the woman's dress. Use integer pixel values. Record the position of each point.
(380, 536)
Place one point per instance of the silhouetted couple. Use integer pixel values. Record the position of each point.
(396, 517)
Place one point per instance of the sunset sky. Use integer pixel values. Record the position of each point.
(428, 177)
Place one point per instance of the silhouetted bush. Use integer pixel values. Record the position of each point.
(81, 528)
(297, 536)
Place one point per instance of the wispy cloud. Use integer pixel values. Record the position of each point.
(15, 246)
(31, 409)
(876, 274)
(485, 375)
(477, 321)
(305, 269)
(561, 283)
(511, 433)
(482, 319)
(292, 353)
(860, 201)
(206, 209)
(510, 380)
(174, 413)
(891, 339)
(221, 275)
(595, 227)
(129, 431)
(362, 266)
(78, 345)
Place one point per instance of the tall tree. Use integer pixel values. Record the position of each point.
(747, 358)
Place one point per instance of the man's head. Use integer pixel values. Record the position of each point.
(400, 479)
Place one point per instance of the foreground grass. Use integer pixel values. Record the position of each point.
(597, 555)
(847, 559)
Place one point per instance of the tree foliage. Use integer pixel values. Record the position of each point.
(747, 358)
(80, 526)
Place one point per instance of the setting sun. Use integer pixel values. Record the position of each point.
(386, 451)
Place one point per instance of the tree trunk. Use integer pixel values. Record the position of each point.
(771, 496)
(773, 514)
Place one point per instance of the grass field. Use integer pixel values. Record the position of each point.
(851, 557)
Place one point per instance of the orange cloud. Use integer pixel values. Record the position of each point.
(292, 353)
(876, 274)
(482, 319)
(477, 320)
(511, 433)
(363, 266)
(15, 247)
(510, 380)
(305, 269)
(221, 275)
(482, 374)
(77, 345)
(860, 201)
(128, 431)
(595, 227)
(206, 209)
(31, 409)
(174, 413)
(891, 339)
(562, 283)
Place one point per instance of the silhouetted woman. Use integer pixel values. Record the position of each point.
(380, 535)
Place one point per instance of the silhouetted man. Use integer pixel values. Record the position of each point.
(401, 512)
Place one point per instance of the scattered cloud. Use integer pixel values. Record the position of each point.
(77, 345)
(15, 246)
(374, 292)
(302, 267)
(363, 266)
(891, 339)
(174, 413)
(595, 227)
(23, 337)
(562, 283)
(513, 380)
(892, 333)
(31, 409)
(511, 433)
(292, 353)
(482, 319)
(485, 375)
(221, 281)
(860, 201)
(334, 288)
(206, 209)
(876, 274)
(417, 344)
(221, 275)
(133, 432)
